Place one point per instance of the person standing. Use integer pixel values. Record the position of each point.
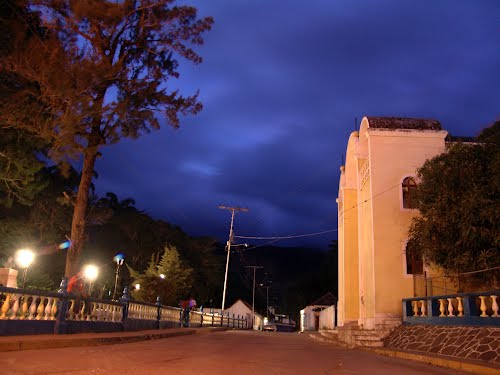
(76, 286)
(192, 303)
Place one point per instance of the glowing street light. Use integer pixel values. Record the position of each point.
(90, 272)
(119, 258)
(24, 258)
(137, 286)
(162, 276)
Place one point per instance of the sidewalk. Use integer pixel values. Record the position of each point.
(475, 367)
(13, 343)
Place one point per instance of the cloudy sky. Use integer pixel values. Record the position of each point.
(282, 83)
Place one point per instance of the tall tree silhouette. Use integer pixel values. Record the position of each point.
(102, 72)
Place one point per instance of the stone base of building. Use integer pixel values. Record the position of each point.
(473, 343)
(372, 335)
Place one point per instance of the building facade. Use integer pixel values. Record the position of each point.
(243, 309)
(375, 210)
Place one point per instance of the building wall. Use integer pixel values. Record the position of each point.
(325, 315)
(307, 319)
(348, 287)
(365, 238)
(327, 318)
(395, 155)
(239, 308)
(373, 236)
(351, 261)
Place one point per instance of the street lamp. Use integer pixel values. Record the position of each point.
(90, 272)
(119, 258)
(24, 258)
(162, 276)
(137, 286)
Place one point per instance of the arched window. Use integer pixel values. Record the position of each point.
(414, 263)
(409, 187)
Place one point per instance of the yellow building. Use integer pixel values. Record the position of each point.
(375, 209)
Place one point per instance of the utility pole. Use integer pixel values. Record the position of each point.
(267, 298)
(228, 245)
(267, 302)
(253, 293)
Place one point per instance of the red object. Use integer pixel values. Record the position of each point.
(76, 284)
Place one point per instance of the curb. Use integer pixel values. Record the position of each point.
(329, 341)
(437, 361)
(34, 343)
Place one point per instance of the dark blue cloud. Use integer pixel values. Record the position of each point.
(282, 82)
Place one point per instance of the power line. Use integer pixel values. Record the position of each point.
(276, 238)
(286, 237)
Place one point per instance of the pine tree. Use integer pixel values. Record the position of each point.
(101, 72)
(167, 277)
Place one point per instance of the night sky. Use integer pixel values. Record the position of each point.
(282, 83)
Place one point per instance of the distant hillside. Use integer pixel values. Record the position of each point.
(296, 276)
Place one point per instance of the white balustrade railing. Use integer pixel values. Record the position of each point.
(18, 304)
(195, 317)
(99, 311)
(170, 314)
(479, 305)
(142, 311)
(27, 306)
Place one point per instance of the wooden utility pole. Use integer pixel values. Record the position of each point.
(253, 293)
(228, 245)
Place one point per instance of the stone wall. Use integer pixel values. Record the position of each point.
(477, 343)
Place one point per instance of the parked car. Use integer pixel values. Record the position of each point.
(279, 322)
(269, 325)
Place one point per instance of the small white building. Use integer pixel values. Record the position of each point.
(319, 315)
(243, 309)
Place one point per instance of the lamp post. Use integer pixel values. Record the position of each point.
(24, 258)
(119, 262)
(90, 272)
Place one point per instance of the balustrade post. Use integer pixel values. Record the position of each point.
(470, 308)
(494, 306)
(460, 306)
(61, 325)
(432, 307)
(158, 312)
(483, 307)
(406, 309)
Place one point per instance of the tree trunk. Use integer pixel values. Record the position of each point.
(78, 222)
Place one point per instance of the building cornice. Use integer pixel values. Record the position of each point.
(407, 133)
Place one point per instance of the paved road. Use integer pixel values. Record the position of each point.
(221, 353)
